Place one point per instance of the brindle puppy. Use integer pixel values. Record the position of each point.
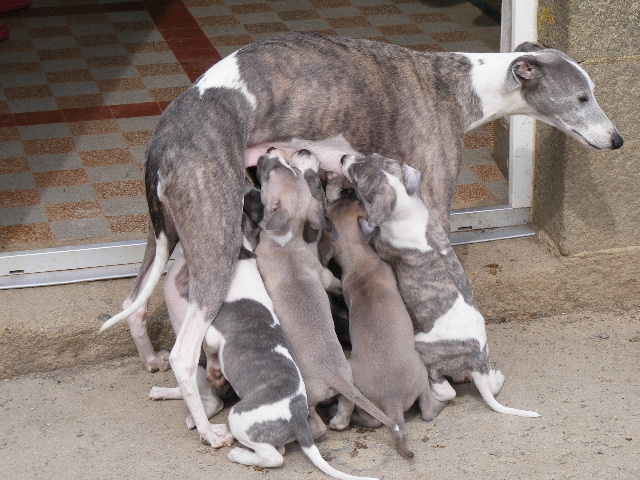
(451, 336)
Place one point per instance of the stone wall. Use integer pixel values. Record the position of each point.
(588, 200)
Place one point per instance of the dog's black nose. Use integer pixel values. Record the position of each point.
(271, 149)
(616, 142)
(304, 151)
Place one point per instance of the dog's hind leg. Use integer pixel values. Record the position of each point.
(363, 419)
(206, 206)
(208, 393)
(342, 417)
(137, 321)
(263, 455)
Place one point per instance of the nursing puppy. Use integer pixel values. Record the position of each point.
(451, 337)
(385, 364)
(297, 283)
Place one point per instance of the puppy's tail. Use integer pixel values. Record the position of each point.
(314, 455)
(482, 383)
(352, 393)
(163, 250)
(400, 435)
(300, 424)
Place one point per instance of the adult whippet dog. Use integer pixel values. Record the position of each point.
(334, 96)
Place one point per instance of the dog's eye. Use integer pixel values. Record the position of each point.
(583, 98)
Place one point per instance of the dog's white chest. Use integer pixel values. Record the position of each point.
(408, 226)
(461, 322)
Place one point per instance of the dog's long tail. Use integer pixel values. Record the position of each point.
(482, 383)
(314, 455)
(350, 391)
(163, 250)
(302, 432)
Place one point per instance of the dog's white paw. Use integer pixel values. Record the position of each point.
(157, 362)
(443, 392)
(339, 422)
(217, 435)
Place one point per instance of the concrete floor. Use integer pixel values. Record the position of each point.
(579, 371)
(564, 330)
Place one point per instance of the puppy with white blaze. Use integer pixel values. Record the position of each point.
(451, 336)
(255, 358)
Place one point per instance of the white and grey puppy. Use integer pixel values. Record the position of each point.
(386, 367)
(255, 358)
(451, 336)
(297, 283)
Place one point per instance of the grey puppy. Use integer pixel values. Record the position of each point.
(297, 283)
(386, 367)
(451, 336)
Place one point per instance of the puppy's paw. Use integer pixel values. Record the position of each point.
(339, 423)
(217, 435)
(157, 362)
(165, 393)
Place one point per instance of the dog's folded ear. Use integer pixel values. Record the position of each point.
(366, 230)
(522, 69)
(326, 249)
(310, 233)
(331, 229)
(246, 254)
(412, 179)
(252, 205)
(380, 208)
(529, 47)
(315, 185)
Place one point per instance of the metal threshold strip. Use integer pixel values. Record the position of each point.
(55, 266)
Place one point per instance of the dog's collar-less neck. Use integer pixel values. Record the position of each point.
(488, 74)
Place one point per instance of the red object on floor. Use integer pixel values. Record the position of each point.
(11, 5)
(4, 32)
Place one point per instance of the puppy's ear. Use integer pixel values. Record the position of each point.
(314, 223)
(326, 250)
(366, 231)
(529, 47)
(331, 229)
(412, 179)
(315, 185)
(253, 205)
(521, 70)
(309, 233)
(379, 209)
(275, 216)
(246, 254)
